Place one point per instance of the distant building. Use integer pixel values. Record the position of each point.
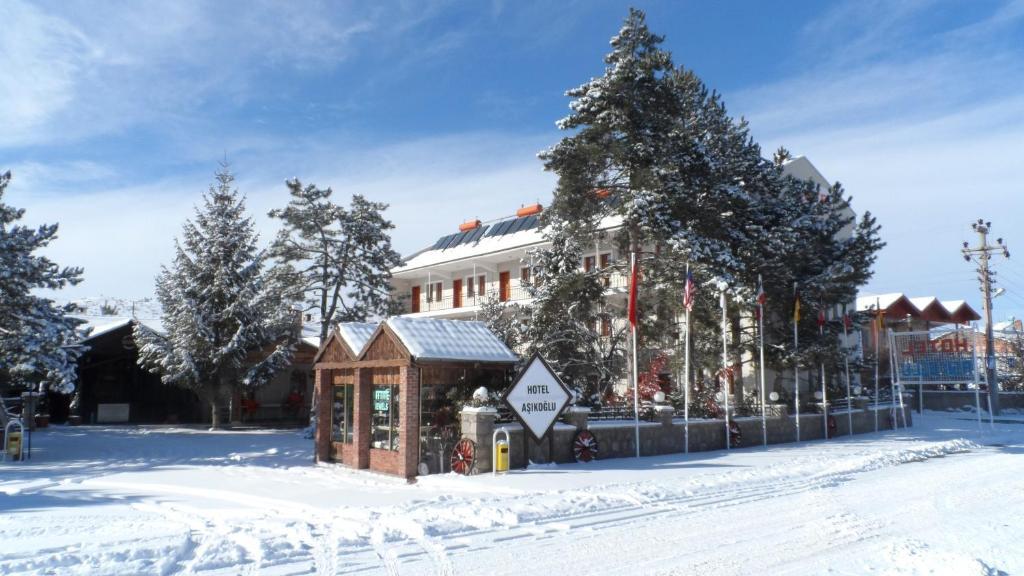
(113, 388)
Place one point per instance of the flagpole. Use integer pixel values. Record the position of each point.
(846, 360)
(764, 399)
(636, 380)
(725, 367)
(824, 390)
(878, 360)
(796, 358)
(686, 367)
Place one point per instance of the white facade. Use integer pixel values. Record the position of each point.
(455, 276)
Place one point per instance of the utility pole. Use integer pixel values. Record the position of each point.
(984, 252)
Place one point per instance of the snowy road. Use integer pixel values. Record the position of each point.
(940, 499)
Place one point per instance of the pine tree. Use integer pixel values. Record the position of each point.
(38, 340)
(653, 148)
(339, 259)
(226, 318)
(564, 317)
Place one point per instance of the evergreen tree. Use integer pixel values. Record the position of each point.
(38, 340)
(653, 148)
(565, 317)
(226, 318)
(339, 259)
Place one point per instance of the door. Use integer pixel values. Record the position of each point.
(415, 299)
(457, 293)
(504, 287)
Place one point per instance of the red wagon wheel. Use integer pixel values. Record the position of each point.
(584, 446)
(464, 457)
(832, 426)
(735, 435)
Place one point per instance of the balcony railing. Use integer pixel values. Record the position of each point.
(512, 294)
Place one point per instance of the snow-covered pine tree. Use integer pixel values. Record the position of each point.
(38, 340)
(565, 319)
(339, 259)
(226, 317)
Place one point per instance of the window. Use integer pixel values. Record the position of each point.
(481, 286)
(385, 418)
(438, 291)
(341, 413)
(469, 287)
(524, 275)
(606, 326)
(588, 263)
(606, 261)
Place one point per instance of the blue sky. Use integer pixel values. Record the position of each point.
(115, 114)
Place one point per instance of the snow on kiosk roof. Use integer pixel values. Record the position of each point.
(455, 340)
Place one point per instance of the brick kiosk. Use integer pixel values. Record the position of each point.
(387, 391)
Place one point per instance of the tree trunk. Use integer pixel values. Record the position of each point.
(214, 413)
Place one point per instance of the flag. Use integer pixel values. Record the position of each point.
(847, 319)
(821, 317)
(761, 298)
(690, 292)
(634, 277)
(796, 307)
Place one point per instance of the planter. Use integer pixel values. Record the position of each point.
(42, 420)
(74, 420)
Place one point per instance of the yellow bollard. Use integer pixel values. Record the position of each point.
(14, 445)
(501, 456)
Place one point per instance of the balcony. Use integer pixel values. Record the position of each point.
(517, 294)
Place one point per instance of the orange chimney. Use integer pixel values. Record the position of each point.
(529, 210)
(469, 225)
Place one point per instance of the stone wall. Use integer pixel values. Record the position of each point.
(617, 439)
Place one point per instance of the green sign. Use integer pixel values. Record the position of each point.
(381, 399)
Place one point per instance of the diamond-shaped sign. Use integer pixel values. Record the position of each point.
(537, 397)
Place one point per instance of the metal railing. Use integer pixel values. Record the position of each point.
(447, 301)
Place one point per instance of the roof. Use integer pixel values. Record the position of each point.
(922, 307)
(502, 236)
(96, 326)
(456, 340)
(356, 334)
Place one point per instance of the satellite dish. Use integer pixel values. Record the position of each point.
(659, 397)
(856, 390)
(817, 395)
(774, 396)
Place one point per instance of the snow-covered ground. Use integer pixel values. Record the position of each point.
(939, 499)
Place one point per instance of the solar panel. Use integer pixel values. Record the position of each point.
(442, 241)
(451, 240)
(531, 223)
(505, 226)
(518, 224)
(477, 234)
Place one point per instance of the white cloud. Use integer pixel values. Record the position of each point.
(927, 138)
(73, 70)
(121, 236)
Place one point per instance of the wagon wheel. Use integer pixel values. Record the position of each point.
(584, 446)
(832, 426)
(735, 435)
(464, 457)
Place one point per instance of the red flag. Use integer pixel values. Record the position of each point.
(690, 292)
(761, 298)
(634, 277)
(821, 318)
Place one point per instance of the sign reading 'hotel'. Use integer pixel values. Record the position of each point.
(537, 397)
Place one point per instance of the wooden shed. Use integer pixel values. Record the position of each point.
(387, 394)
